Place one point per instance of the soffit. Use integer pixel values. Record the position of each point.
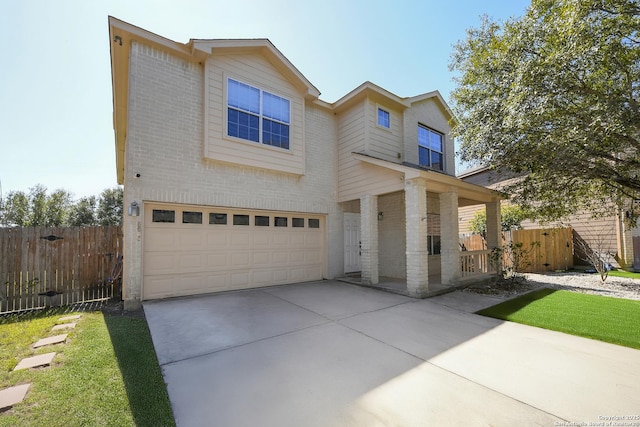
(436, 182)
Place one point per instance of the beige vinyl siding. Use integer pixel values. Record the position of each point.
(384, 143)
(354, 177)
(428, 113)
(256, 71)
(465, 214)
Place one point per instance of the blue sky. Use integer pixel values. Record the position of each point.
(55, 81)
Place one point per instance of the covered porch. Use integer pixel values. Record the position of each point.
(405, 234)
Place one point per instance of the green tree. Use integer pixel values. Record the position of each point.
(110, 206)
(554, 97)
(35, 208)
(511, 219)
(83, 212)
(58, 204)
(15, 209)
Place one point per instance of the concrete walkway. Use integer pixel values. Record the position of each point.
(333, 354)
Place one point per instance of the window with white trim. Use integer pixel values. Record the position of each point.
(257, 115)
(430, 148)
(383, 118)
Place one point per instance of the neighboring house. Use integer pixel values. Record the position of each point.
(237, 175)
(607, 234)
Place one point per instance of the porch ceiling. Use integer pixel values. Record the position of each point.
(437, 182)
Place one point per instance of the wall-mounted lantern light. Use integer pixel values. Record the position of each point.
(380, 216)
(134, 209)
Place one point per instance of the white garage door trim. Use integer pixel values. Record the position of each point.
(196, 249)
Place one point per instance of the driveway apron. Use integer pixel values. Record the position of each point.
(332, 354)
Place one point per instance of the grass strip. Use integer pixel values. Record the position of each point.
(106, 374)
(626, 274)
(612, 320)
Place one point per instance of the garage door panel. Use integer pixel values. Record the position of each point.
(261, 258)
(217, 282)
(191, 240)
(312, 240)
(218, 238)
(261, 239)
(240, 259)
(298, 274)
(280, 257)
(161, 240)
(313, 256)
(217, 260)
(240, 239)
(280, 239)
(160, 263)
(184, 259)
(262, 277)
(297, 257)
(158, 287)
(194, 261)
(240, 280)
(297, 239)
(281, 276)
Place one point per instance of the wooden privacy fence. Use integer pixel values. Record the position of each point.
(553, 250)
(549, 248)
(51, 266)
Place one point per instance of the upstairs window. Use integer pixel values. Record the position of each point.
(430, 148)
(257, 115)
(383, 118)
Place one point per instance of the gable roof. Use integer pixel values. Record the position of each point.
(121, 36)
(373, 91)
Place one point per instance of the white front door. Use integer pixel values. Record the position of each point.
(351, 242)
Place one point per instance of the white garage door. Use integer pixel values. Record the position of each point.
(190, 249)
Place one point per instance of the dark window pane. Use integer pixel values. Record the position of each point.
(436, 245)
(242, 125)
(217, 218)
(297, 222)
(280, 221)
(423, 154)
(191, 217)
(275, 134)
(436, 160)
(161, 215)
(262, 221)
(314, 223)
(240, 219)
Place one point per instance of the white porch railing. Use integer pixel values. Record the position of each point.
(475, 263)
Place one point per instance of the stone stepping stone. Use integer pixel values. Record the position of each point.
(57, 339)
(67, 318)
(64, 326)
(35, 361)
(12, 395)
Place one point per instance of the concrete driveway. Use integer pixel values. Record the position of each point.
(333, 354)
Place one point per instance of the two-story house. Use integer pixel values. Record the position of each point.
(237, 175)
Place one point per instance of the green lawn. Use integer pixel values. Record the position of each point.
(622, 273)
(607, 319)
(106, 374)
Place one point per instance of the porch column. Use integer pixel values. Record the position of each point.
(449, 238)
(369, 239)
(416, 237)
(494, 225)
